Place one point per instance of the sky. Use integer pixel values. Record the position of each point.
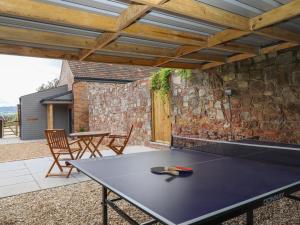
(23, 75)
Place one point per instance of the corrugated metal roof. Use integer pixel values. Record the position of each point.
(155, 17)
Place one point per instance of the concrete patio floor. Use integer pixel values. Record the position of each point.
(29, 175)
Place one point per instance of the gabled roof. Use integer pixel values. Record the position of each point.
(62, 98)
(108, 72)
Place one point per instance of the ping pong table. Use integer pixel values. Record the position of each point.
(229, 179)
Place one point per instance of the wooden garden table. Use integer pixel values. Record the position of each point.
(87, 138)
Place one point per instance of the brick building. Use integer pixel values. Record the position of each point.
(80, 76)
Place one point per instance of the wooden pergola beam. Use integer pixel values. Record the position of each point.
(55, 39)
(127, 17)
(73, 55)
(102, 41)
(276, 15)
(280, 34)
(212, 14)
(46, 38)
(219, 38)
(235, 47)
(202, 11)
(239, 57)
(125, 25)
(56, 14)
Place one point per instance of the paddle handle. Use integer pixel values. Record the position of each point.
(173, 172)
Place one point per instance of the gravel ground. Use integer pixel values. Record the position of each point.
(79, 204)
(12, 152)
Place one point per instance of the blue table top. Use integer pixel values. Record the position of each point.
(217, 184)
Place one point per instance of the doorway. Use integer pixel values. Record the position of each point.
(161, 118)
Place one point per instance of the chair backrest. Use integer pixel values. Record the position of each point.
(57, 139)
(128, 135)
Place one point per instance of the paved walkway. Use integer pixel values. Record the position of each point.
(15, 140)
(29, 175)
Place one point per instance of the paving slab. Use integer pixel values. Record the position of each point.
(8, 166)
(21, 188)
(16, 180)
(29, 175)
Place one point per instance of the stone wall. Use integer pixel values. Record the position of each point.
(266, 100)
(115, 107)
(80, 106)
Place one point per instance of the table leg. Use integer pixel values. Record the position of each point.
(249, 217)
(104, 206)
(85, 147)
(96, 147)
(87, 142)
(92, 144)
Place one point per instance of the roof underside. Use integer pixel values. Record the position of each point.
(163, 33)
(63, 98)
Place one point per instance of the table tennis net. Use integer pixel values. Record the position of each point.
(266, 152)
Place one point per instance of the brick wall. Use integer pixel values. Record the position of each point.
(266, 100)
(80, 106)
(114, 107)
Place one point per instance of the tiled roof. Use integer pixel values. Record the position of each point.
(108, 71)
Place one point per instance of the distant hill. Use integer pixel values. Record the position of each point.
(8, 110)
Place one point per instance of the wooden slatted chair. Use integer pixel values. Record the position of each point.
(60, 147)
(118, 143)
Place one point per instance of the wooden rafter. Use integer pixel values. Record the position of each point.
(102, 41)
(202, 11)
(111, 28)
(158, 52)
(276, 15)
(46, 38)
(235, 47)
(73, 55)
(125, 19)
(55, 39)
(56, 14)
(219, 38)
(278, 33)
(228, 34)
(243, 56)
(212, 14)
(218, 16)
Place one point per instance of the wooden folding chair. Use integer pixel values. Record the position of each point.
(60, 146)
(119, 142)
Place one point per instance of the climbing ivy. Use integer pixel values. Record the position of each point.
(160, 80)
(185, 74)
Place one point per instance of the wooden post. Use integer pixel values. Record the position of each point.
(1, 128)
(50, 116)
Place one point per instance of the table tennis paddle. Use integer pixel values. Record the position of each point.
(172, 170)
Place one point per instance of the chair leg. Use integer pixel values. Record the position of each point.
(51, 167)
(55, 158)
(58, 164)
(70, 171)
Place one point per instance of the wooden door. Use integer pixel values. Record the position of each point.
(161, 119)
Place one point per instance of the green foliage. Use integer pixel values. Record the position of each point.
(155, 81)
(184, 74)
(160, 80)
(81, 129)
(51, 84)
